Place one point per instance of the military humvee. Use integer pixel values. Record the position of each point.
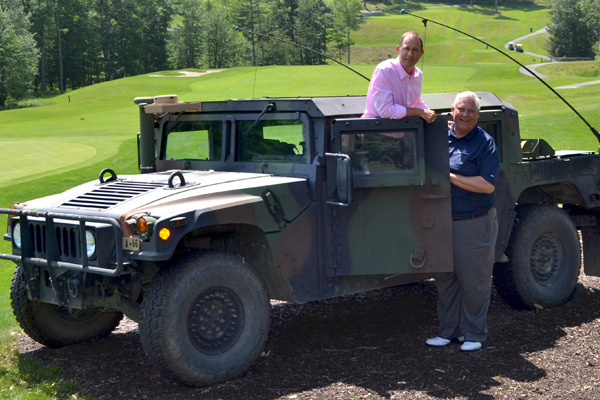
(297, 199)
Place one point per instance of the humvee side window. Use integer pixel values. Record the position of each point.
(270, 140)
(493, 128)
(195, 140)
(381, 152)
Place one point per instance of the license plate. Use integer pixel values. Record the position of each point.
(130, 243)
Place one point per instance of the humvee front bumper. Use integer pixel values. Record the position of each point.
(61, 241)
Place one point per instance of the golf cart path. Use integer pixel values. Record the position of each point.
(533, 67)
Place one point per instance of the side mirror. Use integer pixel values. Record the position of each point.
(339, 179)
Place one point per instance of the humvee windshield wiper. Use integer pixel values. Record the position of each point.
(269, 107)
(173, 123)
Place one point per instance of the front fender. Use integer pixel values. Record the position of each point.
(271, 212)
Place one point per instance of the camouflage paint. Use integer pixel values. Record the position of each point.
(397, 228)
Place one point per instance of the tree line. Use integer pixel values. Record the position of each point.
(574, 28)
(57, 45)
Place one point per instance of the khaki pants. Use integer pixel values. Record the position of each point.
(464, 295)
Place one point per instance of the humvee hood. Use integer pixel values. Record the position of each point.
(131, 193)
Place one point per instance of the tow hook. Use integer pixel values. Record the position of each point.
(73, 287)
(417, 257)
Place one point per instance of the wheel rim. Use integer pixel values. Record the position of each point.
(546, 258)
(215, 320)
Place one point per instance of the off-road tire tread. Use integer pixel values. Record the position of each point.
(154, 307)
(506, 275)
(25, 313)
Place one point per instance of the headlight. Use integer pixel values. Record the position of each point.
(90, 244)
(16, 234)
(145, 226)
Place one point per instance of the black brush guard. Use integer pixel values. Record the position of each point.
(46, 240)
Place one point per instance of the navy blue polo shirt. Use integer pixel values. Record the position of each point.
(472, 155)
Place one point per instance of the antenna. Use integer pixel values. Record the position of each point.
(594, 131)
(237, 28)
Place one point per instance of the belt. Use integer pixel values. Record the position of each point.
(467, 217)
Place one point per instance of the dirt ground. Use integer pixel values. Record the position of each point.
(371, 346)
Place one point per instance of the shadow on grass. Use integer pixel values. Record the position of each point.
(34, 100)
(369, 343)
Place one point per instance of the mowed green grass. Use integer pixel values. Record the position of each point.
(379, 35)
(70, 138)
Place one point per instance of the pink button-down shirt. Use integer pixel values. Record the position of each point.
(392, 90)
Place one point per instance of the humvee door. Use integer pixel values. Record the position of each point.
(396, 217)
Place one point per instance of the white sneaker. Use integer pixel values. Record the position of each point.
(470, 346)
(437, 342)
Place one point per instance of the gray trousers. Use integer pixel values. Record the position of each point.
(464, 295)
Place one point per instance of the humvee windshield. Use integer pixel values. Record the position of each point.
(195, 140)
(270, 140)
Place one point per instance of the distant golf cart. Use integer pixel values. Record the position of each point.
(519, 48)
(511, 46)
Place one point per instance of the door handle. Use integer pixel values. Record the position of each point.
(429, 196)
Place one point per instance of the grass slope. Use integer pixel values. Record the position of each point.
(68, 139)
(380, 34)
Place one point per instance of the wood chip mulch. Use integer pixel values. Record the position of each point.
(370, 346)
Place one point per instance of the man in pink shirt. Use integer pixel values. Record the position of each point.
(395, 87)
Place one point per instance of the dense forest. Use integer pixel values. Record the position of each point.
(58, 45)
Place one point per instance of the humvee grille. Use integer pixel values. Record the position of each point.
(111, 194)
(66, 239)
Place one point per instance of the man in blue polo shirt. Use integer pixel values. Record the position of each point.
(464, 295)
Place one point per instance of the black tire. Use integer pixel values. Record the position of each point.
(544, 259)
(55, 326)
(205, 319)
